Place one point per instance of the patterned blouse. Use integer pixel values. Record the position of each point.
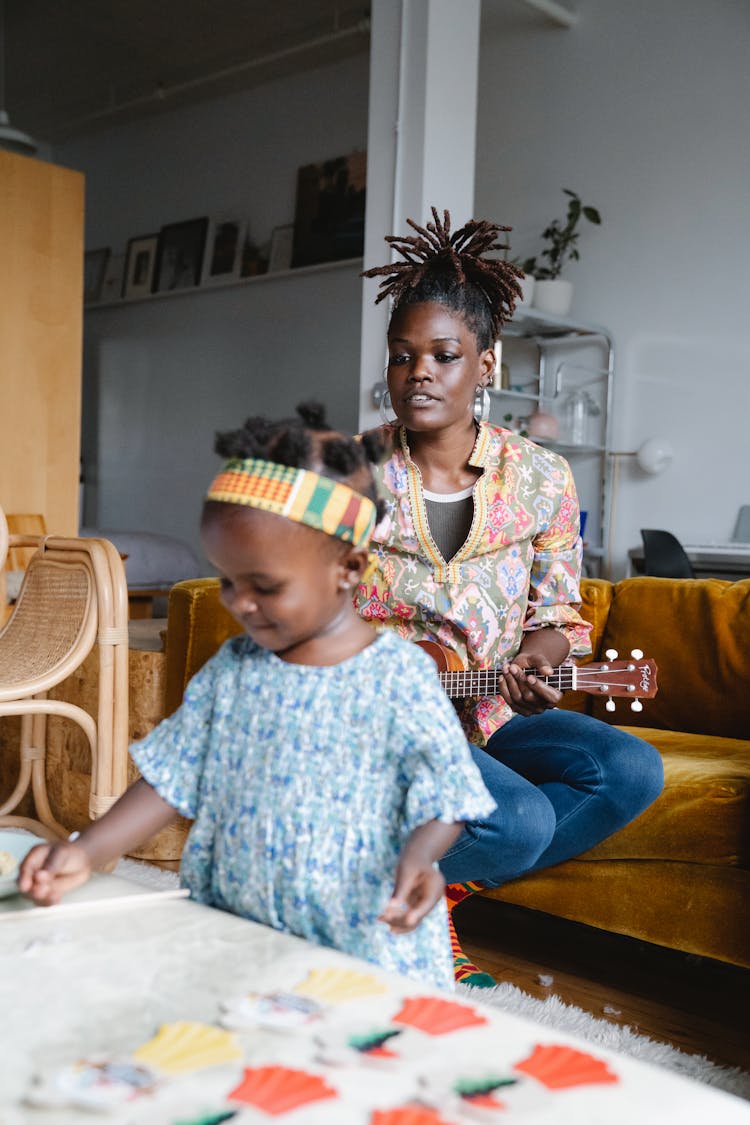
(519, 568)
(304, 784)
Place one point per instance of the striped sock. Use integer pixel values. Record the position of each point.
(465, 971)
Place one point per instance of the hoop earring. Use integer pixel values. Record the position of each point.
(385, 407)
(482, 403)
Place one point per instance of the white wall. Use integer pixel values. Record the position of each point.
(643, 109)
(161, 376)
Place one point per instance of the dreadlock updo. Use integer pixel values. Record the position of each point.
(307, 442)
(453, 270)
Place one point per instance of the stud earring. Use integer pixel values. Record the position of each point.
(481, 404)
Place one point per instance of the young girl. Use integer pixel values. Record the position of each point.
(480, 550)
(323, 767)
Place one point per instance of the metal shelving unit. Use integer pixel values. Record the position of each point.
(553, 361)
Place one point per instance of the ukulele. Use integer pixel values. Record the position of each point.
(634, 679)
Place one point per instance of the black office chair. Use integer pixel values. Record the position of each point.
(664, 556)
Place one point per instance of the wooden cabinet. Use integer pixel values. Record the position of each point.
(41, 278)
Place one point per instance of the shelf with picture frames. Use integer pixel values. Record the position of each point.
(556, 385)
(231, 283)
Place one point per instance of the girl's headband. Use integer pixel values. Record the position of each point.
(299, 494)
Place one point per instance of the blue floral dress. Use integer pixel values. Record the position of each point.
(304, 784)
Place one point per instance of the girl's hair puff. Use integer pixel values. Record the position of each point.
(308, 442)
(453, 270)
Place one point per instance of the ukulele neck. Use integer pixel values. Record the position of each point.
(459, 685)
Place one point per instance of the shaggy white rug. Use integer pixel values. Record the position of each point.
(551, 1012)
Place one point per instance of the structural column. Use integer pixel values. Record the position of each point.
(424, 65)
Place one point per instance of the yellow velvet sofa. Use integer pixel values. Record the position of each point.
(678, 876)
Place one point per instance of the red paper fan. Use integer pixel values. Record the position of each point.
(278, 1089)
(435, 1016)
(484, 1101)
(407, 1115)
(559, 1067)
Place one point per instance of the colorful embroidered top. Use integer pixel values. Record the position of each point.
(519, 568)
(304, 784)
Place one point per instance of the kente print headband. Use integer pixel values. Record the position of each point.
(299, 494)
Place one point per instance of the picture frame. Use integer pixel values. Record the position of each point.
(282, 246)
(253, 258)
(140, 262)
(94, 269)
(179, 255)
(113, 279)
(329, 216)
(223, 250)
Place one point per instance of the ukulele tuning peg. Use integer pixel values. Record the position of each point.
(611, 654)
(637, 654)
(610, 704)
(636, 705)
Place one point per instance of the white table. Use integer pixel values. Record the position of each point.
(81, 979)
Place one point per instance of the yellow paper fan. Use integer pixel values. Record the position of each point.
(336, 986)
(187, 1045)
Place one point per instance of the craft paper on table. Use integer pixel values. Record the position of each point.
(92, 1084)
(408, 1115)
(558, 1067)
(345, 1047)
(337, 986)
(281, 1010)
(280, 1089)
(435, 1016)
(482, 1092)
(478, 1095)
(210, 1118)
(184, 1046)
(101, 893)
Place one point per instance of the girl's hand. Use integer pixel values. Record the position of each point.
(419, 886)
(50, 870)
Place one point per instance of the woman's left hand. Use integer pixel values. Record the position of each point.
(525, 693)
(543, 650)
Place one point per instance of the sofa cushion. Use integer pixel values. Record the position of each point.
(698, 632)
(703, 814)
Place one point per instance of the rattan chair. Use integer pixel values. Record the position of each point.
(73, 598)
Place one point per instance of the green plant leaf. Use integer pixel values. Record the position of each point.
(592, 215)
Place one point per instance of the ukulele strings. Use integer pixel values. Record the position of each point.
(564, 678)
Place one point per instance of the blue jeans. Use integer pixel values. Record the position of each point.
(562, 782)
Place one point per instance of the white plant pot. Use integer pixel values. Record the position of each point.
(527, 289)
(554, 297)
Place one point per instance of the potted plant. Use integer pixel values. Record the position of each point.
(552, 293)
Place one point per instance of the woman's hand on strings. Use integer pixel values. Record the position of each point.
(542, 650)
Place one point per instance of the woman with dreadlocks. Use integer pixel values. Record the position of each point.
(480, 551)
